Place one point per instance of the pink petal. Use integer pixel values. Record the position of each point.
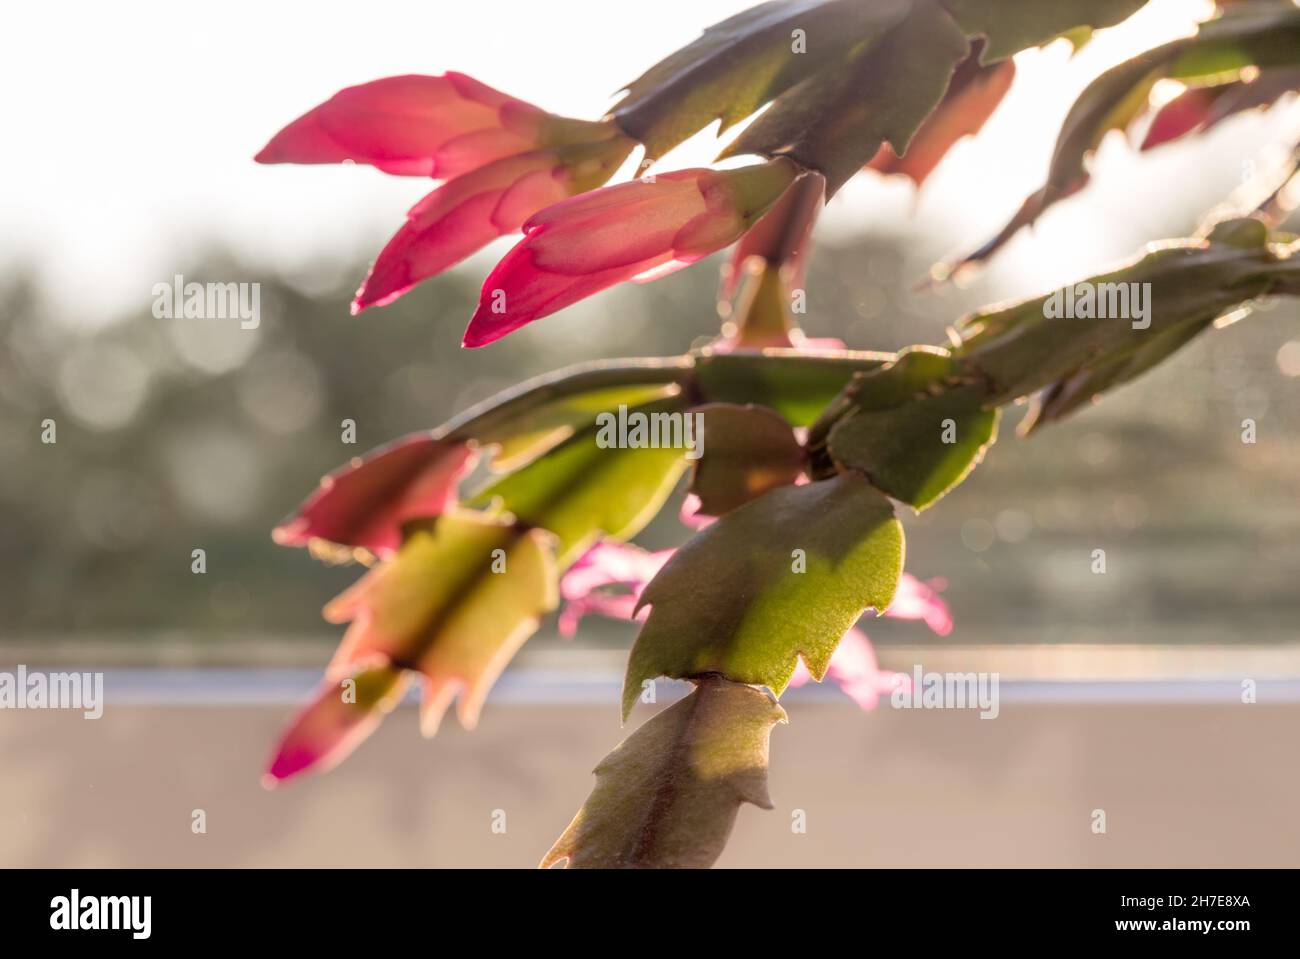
(597, 203)
(411, 125)
(460, 217)
(917, 600)
(517, 292)
(586, 244)
(690, 515)
(643, 225)
(854, 669)
(365, 503)
(609, 605)
(609, 562)
(606, 565)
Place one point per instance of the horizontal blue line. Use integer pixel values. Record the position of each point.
(555, 687)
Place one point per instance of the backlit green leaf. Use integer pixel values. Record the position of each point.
(795, 384)
(493, 420)
(835, 121)
(916, 427)
(535, 431)
(779, 578)
(1014, 25)
(667, 797)
(457, 601)
(1182, 285)
(581, 490)
(740, 64)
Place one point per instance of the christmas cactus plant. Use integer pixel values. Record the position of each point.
(797, 454)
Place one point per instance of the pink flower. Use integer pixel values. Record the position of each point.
(609, 578)
(438, 126)
(631, 231)
(606, 564)
(689, 515)
(854, 669)
(915, 599)
(474, 209)
(365, 502)
(504, 160)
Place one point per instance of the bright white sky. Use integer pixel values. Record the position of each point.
(132, 127)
